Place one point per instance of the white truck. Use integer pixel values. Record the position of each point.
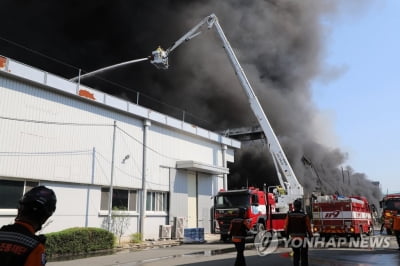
(286, 176)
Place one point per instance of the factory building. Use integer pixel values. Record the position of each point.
(101, 153)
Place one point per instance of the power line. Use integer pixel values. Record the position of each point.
(55, 153)
(103, 79)
(85, 124)
(51, 122)
(38, 53)
(157, 152)
(126, 173)
(184, 112)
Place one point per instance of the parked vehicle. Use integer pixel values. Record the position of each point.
(260, 211)
(390, 205)
(342, 216)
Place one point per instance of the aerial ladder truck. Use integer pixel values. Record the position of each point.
(285, 174)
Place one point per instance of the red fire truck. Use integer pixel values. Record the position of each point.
(342, 216)
(259, 210)
(390, 205)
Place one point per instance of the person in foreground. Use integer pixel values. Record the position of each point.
(19, 245)
(298, 227)
(238, 231)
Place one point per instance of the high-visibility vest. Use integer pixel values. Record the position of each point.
(238, 229)
(16, 244)
(297, 225)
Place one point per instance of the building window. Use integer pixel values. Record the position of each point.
(122, 199)
(11, 191)
(104, 198)
(157, 201)
(132, 200)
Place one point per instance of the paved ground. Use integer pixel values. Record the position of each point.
(215, 253)
(186, 256)
(283, 258)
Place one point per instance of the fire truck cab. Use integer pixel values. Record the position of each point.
(259, 211)
(390, 205)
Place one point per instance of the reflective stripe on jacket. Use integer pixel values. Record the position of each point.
(238, 229)
(298, 224)
(19, 246)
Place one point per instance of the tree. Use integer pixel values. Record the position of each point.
(119, 222)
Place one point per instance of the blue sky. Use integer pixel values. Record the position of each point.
(364, 100)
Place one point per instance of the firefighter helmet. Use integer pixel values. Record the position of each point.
(297, 204)
(38, 203)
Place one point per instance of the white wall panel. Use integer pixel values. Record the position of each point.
(116, 102)
(63, 151)
(219, 184)
(214, 136)
(189, 128)
(174, 122)
(205, 202)
(174, 146)
(156, 116)
(63, 84)
(159, 180)
(77, 206)
(152, 226)
(137, 109)
(26, 71)
(178, 195)
(202, 132)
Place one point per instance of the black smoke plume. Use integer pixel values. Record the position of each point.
(280, 44)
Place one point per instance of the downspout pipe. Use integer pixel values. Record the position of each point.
(110, 195)
(224, 164)
(146, 124)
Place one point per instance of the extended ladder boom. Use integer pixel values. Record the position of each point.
(285, 173)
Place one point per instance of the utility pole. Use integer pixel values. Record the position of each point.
(146, 125)
(110, 195)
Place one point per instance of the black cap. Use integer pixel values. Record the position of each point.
(38, 203)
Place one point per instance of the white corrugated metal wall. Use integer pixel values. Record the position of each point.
(54, 139)
(66, 143)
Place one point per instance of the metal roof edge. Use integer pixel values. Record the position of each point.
(61, 85)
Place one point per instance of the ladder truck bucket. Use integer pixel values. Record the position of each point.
(159, 58)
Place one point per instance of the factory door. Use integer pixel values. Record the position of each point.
(192, 199)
